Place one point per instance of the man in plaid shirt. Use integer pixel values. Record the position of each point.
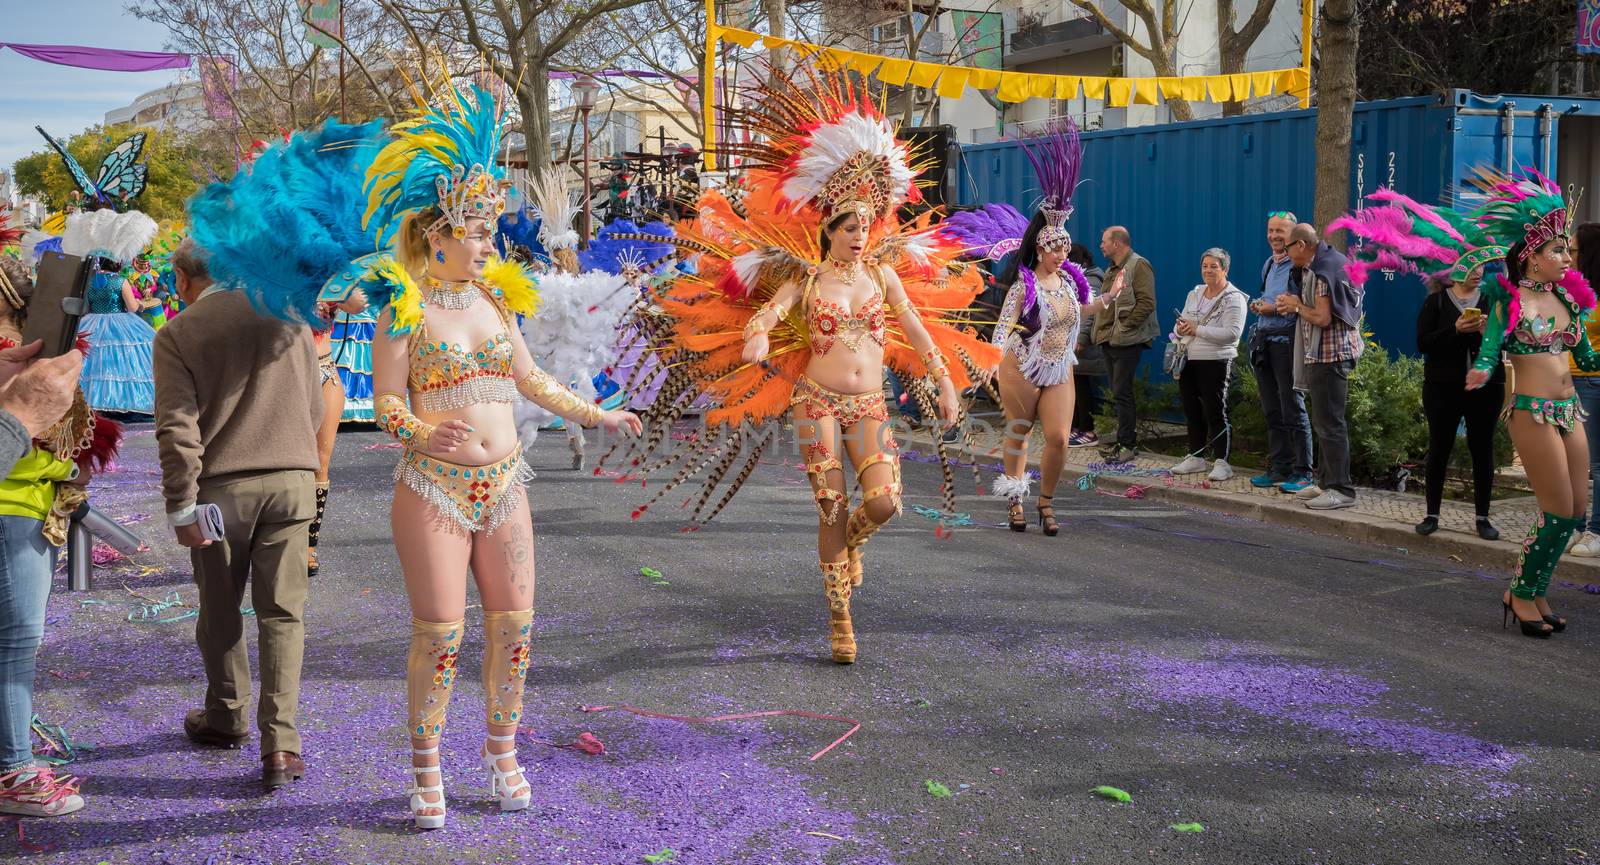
(1329, 340)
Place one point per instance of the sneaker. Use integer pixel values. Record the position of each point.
(1082, 439)
(1220, 471)
(1119, 454)
(1309, 493)
(1331, 500)
(1587, 546)
(1295, 484)
(1189, 465)
(37, 791)
(1266, 479)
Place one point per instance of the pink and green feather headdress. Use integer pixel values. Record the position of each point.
(1406, 236)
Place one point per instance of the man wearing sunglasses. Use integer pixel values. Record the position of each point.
(1271, 352)
(1328, 343)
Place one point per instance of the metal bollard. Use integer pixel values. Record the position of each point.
(85, 525)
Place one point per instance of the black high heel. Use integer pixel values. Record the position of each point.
(1556, 623)
(1015, 519)
(1048, 523)
(1529, 629)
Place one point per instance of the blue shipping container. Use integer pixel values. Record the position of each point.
(1182, 188)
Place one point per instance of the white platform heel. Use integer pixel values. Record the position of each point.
(418, 803)
(499, 784)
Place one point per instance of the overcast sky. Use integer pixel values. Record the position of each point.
(63, 99)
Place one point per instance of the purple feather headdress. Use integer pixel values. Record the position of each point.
(991, 231)
(1057, 159)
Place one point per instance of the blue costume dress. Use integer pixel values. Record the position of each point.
(117, 371)
(352, 355)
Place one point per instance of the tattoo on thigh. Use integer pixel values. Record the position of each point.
(519, 555)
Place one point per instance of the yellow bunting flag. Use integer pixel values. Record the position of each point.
(953, 82)
(743, 38)
(1013, 87)
(894, 71)
(925, 74)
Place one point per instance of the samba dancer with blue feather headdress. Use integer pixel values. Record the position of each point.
(447, 336)
(1038, 328)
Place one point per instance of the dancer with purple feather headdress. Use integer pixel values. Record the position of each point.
(1045, 304)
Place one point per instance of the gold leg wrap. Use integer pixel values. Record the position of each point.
(860, 528)
(836, 586)
(505, 663)
(430, 674)
(829, 500)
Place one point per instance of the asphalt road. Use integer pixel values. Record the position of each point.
(1304, 699)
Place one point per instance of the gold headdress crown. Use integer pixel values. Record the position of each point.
(465, 194)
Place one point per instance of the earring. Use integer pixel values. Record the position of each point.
(438, 255)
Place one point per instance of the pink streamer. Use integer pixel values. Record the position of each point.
(742, 716)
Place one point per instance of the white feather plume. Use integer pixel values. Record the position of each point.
(120, 236)
(832, 145)
(556, 209)
(747, 268)
(1010, 488)
(30, 244)
(570, 341)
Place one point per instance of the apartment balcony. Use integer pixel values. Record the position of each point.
(1047, 42)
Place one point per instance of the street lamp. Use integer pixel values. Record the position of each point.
(584, 91)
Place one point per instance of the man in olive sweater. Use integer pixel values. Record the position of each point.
(237, 408)
(1126, 331)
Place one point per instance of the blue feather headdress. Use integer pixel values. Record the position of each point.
(291, 222)
(622, 245)
(444, 157)
(520, 227)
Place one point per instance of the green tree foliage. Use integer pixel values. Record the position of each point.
(175, 169)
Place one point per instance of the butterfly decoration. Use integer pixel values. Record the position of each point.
(121, 177)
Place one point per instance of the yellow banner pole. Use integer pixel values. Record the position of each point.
(1306, 16)
(708, 79)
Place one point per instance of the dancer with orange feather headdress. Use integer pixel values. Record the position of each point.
(806, 289)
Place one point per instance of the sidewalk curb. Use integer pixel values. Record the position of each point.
(1498, 555)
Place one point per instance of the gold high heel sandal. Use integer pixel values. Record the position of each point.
(836, 586)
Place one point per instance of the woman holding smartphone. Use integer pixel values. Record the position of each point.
(1450, 330)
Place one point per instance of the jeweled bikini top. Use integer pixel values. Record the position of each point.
(830, 321)
(445, 376)
(1533, 334)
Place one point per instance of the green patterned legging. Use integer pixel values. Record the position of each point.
(1541, 549)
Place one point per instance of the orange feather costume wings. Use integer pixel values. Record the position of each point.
(822, 147)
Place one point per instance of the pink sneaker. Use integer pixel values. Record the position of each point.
(37, 791)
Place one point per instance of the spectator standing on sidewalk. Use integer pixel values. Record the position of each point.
(1091, 366)
(1328, 343)
(1271, 353)
(1211, 323)
(1125, 331)
(1449, 340)
(1585, 250)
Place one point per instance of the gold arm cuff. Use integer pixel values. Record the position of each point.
(545, 392)
(394, 416)
(902, 308)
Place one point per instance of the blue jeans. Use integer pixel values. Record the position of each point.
(1588, 388)
(26, 569)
